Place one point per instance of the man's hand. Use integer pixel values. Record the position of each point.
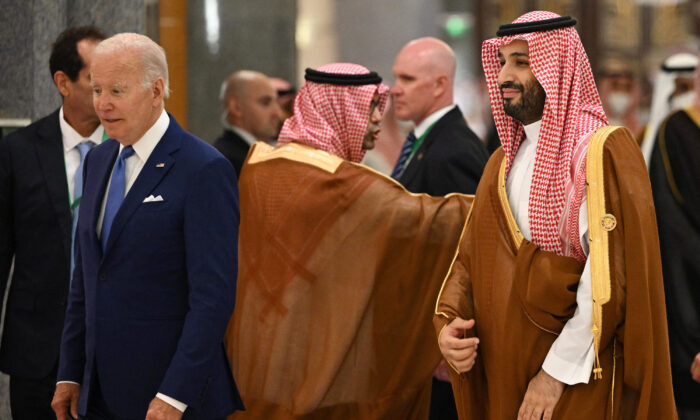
(65, 397)
(160, 410)
(459, 352)
(695, 368)
(543, 393)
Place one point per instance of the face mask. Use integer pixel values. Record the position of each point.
(683, 100)
(619, 103)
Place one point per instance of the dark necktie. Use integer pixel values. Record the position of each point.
(405, 154)
(115, 195)
(83, 148)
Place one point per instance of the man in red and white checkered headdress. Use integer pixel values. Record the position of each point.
(339, 266)
(557, 279)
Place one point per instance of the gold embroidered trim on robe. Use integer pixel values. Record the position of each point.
(512, 224)
(667, 163)
(694, 113)
(599, 224)
(293, 151)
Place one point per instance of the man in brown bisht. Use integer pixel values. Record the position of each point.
(339, 268)
(557, 278)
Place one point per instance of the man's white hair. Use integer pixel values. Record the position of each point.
(151, 56)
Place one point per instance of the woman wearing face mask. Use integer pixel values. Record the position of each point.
(619, 93)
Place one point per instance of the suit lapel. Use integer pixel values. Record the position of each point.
(149, 177)
(98, 175)
(49, 151)
(417, 161)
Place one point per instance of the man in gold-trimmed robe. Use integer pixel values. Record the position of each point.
(339, 266)
(557, 279)
(675, 181)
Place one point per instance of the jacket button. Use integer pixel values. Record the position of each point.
(103, 277)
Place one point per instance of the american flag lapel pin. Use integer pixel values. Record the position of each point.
(160, 165)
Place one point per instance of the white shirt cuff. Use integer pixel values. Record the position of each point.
(568, 372)
(172, 401)
(67, 382)
(570, 359)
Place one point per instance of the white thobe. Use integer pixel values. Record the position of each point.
(570, 359)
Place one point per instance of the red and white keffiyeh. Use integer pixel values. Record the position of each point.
(334, 117)
(572, 111)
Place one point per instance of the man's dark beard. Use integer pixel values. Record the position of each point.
(531, 104)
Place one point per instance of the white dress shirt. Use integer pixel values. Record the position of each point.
(71, 139)
(424, 125)
(570, 359)
(134, 163)
(431, 119)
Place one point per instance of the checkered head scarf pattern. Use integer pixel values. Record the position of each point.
(334, 117)
(572, 111)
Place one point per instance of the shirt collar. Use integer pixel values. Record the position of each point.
(532, 131)
(144, 146)
(430, 119)
(72, 138)
(246, 136)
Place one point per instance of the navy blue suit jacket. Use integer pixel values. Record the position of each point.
(150, 313)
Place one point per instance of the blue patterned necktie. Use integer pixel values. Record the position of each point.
(83, 148)
(115, 195)
(405, 153)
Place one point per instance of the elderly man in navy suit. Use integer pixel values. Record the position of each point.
(156, 257)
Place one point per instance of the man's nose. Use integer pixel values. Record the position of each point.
(278, 114)
(505, 75)
(100, 103)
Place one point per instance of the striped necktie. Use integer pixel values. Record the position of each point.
(115, 195)
(83, 148)
(405, 154)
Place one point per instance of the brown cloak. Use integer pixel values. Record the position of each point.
(339, 271)
(521, 296)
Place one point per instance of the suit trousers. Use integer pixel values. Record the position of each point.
(30, 399)
(98, 409)
(442, 401)
(97, 406)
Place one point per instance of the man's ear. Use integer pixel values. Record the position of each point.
(234, 107)
(440, 86)
(158, 90)
(62, 81)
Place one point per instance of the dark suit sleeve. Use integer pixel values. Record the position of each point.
(211, 244)
(71, 363)
(6, 218)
